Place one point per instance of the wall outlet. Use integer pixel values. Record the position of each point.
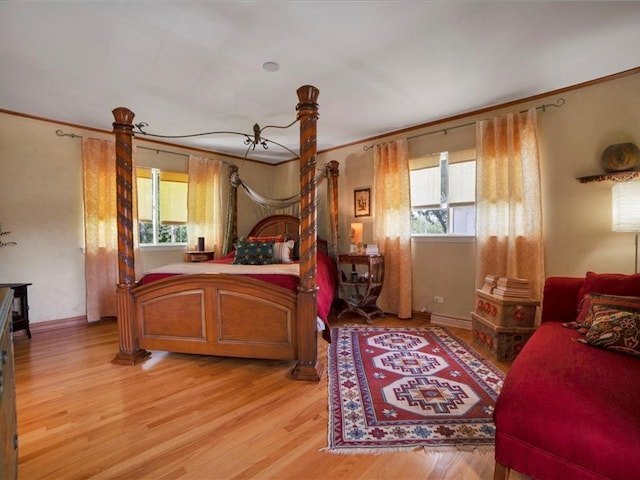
(438, 299)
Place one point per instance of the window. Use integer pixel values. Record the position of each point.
(162, 206)
(443, 194)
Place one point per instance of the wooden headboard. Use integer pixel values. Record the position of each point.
(276, 225)
(283, 225)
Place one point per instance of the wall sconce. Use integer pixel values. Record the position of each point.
(356, 238)
(625, 210)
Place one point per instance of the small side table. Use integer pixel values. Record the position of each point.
(198, 256)
(20, 311)
(360, 290)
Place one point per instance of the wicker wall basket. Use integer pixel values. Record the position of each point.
(620, 158)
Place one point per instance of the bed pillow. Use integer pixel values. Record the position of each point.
(617, 330)
(272, 238)
(595, 303)
(254, 253)
(295, 255)
(283, 252)
(610, 284)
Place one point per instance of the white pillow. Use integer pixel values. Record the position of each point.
(283, 252)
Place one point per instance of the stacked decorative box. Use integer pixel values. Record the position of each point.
(504, 317)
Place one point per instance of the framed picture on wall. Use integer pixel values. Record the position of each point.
(362, 202)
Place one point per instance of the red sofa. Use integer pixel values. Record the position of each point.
(570, 410)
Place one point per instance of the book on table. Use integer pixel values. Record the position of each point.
(508, 287)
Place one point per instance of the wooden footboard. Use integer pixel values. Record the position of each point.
(222, 315)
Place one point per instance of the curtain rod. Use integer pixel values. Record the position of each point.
(158, 150)
(62, 133)
(559, 103)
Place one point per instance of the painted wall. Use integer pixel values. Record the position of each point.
(41, 200)
(41, 204)
(576, 216)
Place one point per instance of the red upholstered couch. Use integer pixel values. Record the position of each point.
(569, 410)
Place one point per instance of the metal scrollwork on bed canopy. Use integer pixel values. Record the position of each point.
(263, 204)
(250, 140)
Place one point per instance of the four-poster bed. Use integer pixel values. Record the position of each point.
(224, 314)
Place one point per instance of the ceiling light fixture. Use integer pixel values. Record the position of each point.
(270, 66)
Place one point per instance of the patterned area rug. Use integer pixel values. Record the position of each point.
(398, 388)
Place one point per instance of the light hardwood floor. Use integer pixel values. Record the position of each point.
(189, 417)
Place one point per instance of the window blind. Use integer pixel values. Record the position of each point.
(172, 193)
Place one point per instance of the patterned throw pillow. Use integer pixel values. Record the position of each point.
(617, 330)
(254, 253)
(595, 303)
(274, 239)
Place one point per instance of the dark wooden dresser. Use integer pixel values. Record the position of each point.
(8, 423)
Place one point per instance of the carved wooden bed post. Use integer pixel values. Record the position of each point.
(233, 170)
(231, 220)
(333, 171)
(308, 367)
(129, 353)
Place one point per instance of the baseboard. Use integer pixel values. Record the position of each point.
(450, 321)
(39, 327)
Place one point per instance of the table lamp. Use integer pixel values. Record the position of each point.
(356, 237)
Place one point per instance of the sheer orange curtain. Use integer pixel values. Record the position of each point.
(204, 203)
(509, 213)
(392, 225)
(100, 226)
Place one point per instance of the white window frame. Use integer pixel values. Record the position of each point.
(453, 209)
(155, 214)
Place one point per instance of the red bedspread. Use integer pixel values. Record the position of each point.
(326, 278)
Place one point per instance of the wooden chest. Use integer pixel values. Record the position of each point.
(506, 312)
(503, 343)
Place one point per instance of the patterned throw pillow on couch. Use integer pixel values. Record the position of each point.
(595, 303)
(617, 330)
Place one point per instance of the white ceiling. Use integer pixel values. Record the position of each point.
(190, 67)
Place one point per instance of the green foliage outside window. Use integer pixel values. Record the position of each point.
(429, 221)
(166, 233)
(162, 206)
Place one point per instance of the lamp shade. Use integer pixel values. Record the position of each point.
(356, 233)
(625, 207)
